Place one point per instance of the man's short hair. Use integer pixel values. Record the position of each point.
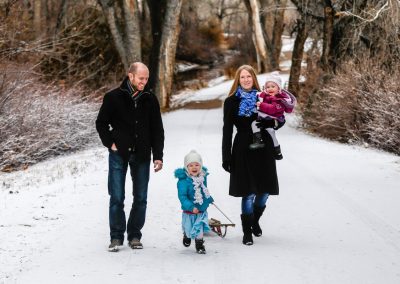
(134, 67)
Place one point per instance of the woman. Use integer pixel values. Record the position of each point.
(252, 172)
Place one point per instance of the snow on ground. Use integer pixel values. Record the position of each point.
(335, 221)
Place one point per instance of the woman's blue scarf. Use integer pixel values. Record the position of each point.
(248, 101)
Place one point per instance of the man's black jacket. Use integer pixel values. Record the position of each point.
(131, 123)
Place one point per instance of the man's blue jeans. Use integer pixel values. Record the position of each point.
(248, 202)
(140, 171)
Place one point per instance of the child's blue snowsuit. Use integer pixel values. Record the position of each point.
(193, 194)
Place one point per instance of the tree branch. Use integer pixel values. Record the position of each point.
(347, 13)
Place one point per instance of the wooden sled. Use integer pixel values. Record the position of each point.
(217, 227)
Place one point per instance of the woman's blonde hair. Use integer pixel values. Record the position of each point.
(235, 84)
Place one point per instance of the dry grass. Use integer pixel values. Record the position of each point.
(39, 121)
(359, 104)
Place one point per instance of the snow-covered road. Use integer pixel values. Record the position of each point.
(335, 221)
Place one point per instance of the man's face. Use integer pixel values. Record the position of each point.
(140, 78)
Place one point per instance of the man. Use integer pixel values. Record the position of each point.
(130, 126)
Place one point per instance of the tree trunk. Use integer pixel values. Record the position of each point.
(61, 14)
(46, 16)
(37, 17)
(276, 43)
(169, 40)
(123, 20)
(157, 12)
(327, 37)
(272, 17)
(263, 59)
(297, 57)
(146, 33)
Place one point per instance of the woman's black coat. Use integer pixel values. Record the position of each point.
(251, 171)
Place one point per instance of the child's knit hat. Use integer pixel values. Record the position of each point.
(192, 157)
(274, 77)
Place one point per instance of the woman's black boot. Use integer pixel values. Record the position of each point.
(258, 211)
(247, 222)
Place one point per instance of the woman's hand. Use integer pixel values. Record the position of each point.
(195, 210)
(227, 166)
(280, 124)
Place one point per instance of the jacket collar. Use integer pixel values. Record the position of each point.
(128, 89)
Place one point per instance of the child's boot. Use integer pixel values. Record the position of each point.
(186, 241)
(278, 153)
(258, 143)
(200, 246)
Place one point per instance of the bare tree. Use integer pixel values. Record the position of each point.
(263, 60)
(165, 30)
(276, 42)
(37, 17)
(327, 37)
(169, 39)
(61, 14)
(123, 20)
(157, 13)
(297, 56)
(272, 19)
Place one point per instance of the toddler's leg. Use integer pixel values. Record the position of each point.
(200, 246)
(202, 223)
(271, 132)
(199, 242)
(277, 147)
(257, 138)
(254, 128)
(187, 224)
(186, 240)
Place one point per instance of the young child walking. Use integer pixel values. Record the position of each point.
(195, 199)
(272, 103)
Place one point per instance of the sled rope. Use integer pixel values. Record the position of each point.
(222, 212)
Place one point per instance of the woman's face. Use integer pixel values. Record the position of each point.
(245, 80)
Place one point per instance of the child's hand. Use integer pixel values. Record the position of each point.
(258, 104)
(195, 210)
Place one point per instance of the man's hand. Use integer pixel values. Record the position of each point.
(157, 165)
(114, 148)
